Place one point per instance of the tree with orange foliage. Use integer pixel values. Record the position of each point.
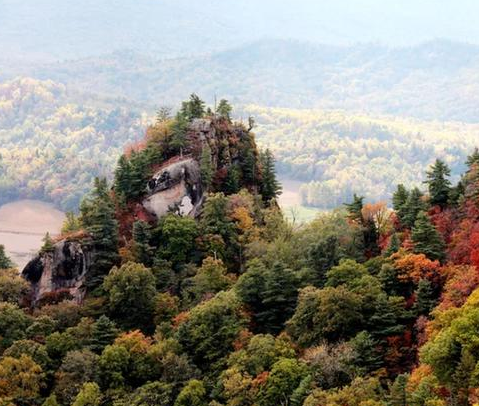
(414, 267)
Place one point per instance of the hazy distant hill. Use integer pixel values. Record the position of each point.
(337, 154)
(437, 80)
(53, 143)
(59, 29)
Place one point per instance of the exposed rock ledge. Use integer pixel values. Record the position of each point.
(63, 269)
(176, 186)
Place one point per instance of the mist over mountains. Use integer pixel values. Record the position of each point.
(59, 29)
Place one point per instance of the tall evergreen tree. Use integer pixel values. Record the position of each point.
(322, 256)
(232, 182)
(278, 298)
(427, 239)
(355, 209)
(224, 109)
(400, 197)
(5, 262)
(414, 205)
(425, 300)
(98, 218)
(206, 166)
(123, 178)
(142, 237)
(103, 333)
(393, 246)
(439, 185)
(193, 108)
(270, 187)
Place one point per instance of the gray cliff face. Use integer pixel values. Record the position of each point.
(63, 269)
(175, 187)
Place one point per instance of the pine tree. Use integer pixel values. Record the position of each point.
(179, 127)
(398, 393)
(270, 187)
(278, 298)
(473, 159)
(425, 300)
(393, 246)
(439, 185)
(98, 219)
(5, 262)
(224, 109)
(322, 256)
(355, 209)
(414, 205)
(123, 178)
(48, 244)
(426, 238)
(103, 333)
(193, 108)
(206, 166)
(163, 114)
(232, 181)
(142, 237)
(400, 197)
(71, 223)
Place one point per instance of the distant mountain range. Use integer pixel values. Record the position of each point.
(59, 29)
(437, 80)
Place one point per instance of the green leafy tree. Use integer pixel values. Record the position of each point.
(51, 401)
(98, 218)
(210, 329)
(13, 324)
(71, 223)
(114, 363)
(177, 236)
(77, 368)
(131, 296)
(193, 394)
(439, 185)
(12, 286)
(89, 395)
(270, 187)
(325, 314)
(427, 239)
(285, 377)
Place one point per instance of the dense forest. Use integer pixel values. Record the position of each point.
(337, 154)
(364, 306)
(433, 81)
(56, 140)
(54, 143)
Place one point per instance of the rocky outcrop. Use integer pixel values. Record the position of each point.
(175, 187)
(63, 269)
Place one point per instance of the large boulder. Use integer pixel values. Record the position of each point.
(176, 187)
(62, 269)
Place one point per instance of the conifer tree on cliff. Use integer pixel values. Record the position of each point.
(98, 218)
(439, 185)
(427, 239)
(270, 187)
